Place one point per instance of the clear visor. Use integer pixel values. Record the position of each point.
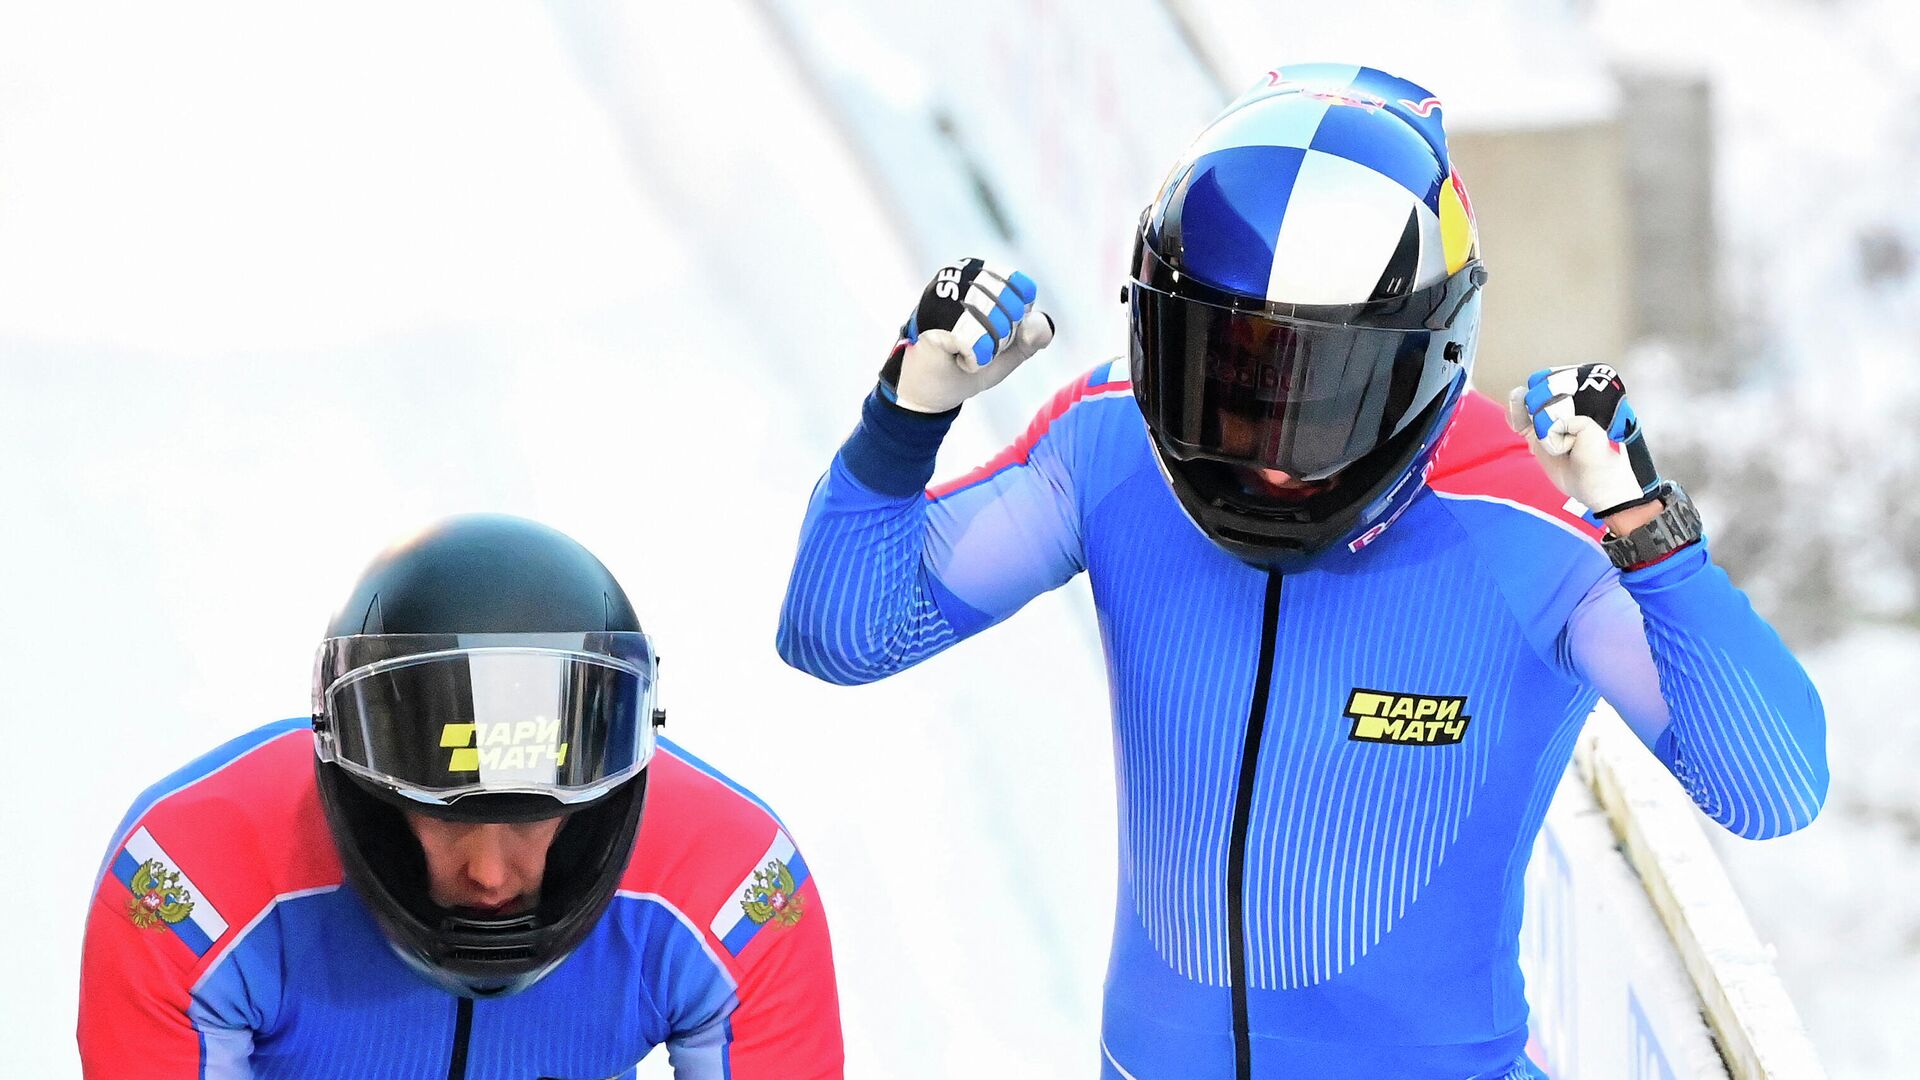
(438, 717)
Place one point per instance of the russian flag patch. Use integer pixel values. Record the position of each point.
(770, 894)
(163, 895)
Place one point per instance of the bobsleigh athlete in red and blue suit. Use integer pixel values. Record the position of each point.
(475, 861)
(1352, 626)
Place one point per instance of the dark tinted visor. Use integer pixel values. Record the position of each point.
(1257, 389)
(439, 717)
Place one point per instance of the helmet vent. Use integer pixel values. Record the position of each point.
(503, 953)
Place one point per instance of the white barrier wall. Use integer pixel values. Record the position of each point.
(1660, 834)
(1610, 997)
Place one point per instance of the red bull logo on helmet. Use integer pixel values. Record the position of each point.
(1332, 95)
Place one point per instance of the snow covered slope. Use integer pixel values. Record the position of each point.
(277, 285)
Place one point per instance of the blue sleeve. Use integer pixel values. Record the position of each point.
(1735, 718)
(888, 574)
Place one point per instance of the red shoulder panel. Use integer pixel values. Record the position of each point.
(1088, 385)
(699, 837)
(245, 834)
(706, 846)
(1482, 457)
(190, 877)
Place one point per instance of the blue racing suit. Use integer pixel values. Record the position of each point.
(1329, 780)
(223, 943)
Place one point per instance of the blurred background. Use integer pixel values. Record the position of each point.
(279, 283)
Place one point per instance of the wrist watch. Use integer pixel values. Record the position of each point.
(1677, 526)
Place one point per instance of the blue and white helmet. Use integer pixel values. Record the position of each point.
(1305, 301)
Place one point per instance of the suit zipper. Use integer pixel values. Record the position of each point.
(462, 1031)
(1237, 833)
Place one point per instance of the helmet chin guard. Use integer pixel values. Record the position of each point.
(457, 951)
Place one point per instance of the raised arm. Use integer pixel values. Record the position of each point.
(889, 573)
(1699, 676)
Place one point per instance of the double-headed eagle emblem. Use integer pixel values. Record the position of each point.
(158, 896)
(770, 896)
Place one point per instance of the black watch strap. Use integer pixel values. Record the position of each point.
(1677, 526)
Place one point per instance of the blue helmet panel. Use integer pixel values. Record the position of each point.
(1232, 204)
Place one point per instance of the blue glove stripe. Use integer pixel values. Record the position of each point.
(999, 323)
(913, 328)
(1538, 394)
(1013, 305)
(1024, 287)
(1542, 424)
(983, 350)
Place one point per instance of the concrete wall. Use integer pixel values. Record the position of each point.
(1667, 120)
(1556, 235)
(1597, 234)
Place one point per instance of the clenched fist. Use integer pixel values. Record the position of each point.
(975, 323)
(1584, 433)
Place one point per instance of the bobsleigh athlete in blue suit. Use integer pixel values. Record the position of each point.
(1348, 663)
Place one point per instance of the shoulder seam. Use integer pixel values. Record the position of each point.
(1480, 556)
(1081, 390)
(699, 935)
(1525, 508)
(220, 955)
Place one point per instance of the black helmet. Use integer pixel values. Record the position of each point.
(486, 669)
(1305, 299)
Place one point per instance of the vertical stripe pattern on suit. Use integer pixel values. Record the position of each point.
(1422, 702)
(1178, 739)
(863, 581)
(1379, 819)
(1759, 783)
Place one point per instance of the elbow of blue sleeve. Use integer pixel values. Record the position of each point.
(1814, 740)
(1786, 815)
(808, 653)
(1747, 806)
(1793, 820)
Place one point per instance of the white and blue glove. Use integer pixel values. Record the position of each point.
(1579, 425)
(975, 323)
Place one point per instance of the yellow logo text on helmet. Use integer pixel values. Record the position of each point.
(517, 744)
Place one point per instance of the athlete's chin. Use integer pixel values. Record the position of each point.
(1280, 487)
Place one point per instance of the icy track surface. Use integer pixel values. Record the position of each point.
(277, 286)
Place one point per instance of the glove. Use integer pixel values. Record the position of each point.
(974, 325)
(1580, 427)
